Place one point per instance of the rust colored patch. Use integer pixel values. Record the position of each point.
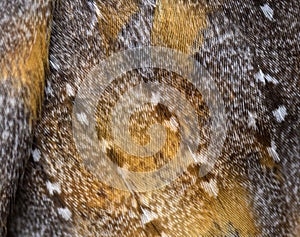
(229, 211)
(112, 16)
(177, 24)
(26, 67)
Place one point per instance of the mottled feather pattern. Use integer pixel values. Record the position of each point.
(250, 49)
(24, 39)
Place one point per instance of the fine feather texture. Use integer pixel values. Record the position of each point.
(24, 40)
(251, 51)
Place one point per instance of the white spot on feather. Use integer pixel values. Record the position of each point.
(272, 151)
(5, 135)
(252, 120)
(172, 124)
(12, 102)
(198, 158)
(70, 90)
(210, 187)
(148, 216)
(133, 203)
(268, 11)
(155, 98)
(49, 90)
(64, 213)
(36, 155)
(260, 76)
(104, 144)
(271, 79)
(280, 113)
(82, 118)
(53, 187)
(55, 66)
